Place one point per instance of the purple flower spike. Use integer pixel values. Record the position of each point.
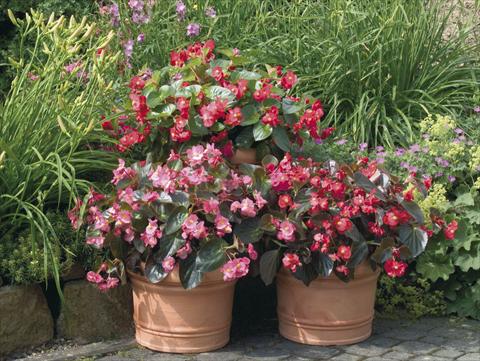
(193, 29)
(181, 10)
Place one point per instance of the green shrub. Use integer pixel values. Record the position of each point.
(412, 295)
(49, 136)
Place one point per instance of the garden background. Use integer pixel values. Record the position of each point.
(399, 81)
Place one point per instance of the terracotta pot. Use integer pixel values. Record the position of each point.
(169, 318)
(329, 311)
(244, 155)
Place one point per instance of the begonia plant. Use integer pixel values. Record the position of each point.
(180, 212)
(210, 95)
(324, 217)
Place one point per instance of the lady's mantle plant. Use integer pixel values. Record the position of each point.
(204, 97)
(180, 212)
(324, 218)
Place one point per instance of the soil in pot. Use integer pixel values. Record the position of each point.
(169, 318)
(328, 311)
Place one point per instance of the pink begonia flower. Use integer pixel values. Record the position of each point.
(246, 207)
(193, 228)
(96, 241)
(222, 225)
(259, 200)
(112, 282)
(164, 178)
(123, 219)
(252, 253)
(151, 234)
(193, 177)
(286, 231)
(150, 197)
(122, 172)
(247, 180)
(183, 252)
(235, 268)
(213, 155)
(129, 235)
(291, 261)
(211, 206)
(195, 155)
(168, 264)
(94, 277)
(173, 156)
(126, 195)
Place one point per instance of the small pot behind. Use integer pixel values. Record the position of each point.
(169, 318)
(244, 155)
(329, 311)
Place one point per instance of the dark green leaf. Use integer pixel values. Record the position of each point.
(211, 256)
(359, 254)
(414, 238)
(368, 185)
(323, 264)
(249, 230)
(414, 210)
(261, 131)
(250, 115)
(175, 220)
(189, 275)
(245, 138)
(280, 137)
(305, 273)
(154, 272)
(289, 106)
(269, 264)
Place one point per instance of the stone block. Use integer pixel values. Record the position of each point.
(90, 315)
(25, 319)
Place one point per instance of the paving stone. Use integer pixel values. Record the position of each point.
(224, 354)
(365, 349)
(448, 352)
(468, 344)
(381, 341)
(397, 355)
(114, 358)
(415, 347)
(429, 358)
(409, 334)
(167, 357)
(272, 353)
(470, 357)
(433, 339)
(346, 357)
(307, 351)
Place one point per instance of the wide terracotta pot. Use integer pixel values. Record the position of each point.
(328, 311)
(169, 318)
(244, 155)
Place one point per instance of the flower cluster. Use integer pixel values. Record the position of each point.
(204, 97)
(324, 218)
(169, 213)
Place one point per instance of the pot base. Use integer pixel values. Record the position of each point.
(325, 336)
(182, 343)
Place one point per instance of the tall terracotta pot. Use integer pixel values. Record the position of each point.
(328, 311)
(169, 318)
(244, 155)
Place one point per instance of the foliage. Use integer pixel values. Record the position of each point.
(411, 294)
(330, 218)
(204, 96)
(47, 128)
(381, 64)
(9, 38)
(176, 213)
(22, 257)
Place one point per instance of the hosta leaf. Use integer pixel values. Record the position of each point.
(414, 238)
(175, 220)
(269, 264)
(261, 131)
